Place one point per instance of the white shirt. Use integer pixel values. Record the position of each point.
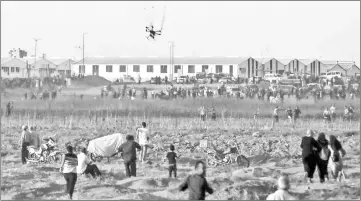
(143, 134)
(332, 109)
(83, 160)
(280, 195)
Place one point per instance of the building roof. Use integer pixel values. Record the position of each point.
(306, 61)
(59, 61)
(348, 66)
(5, 59)
(162, 60)
(285, 61)
(263, 60)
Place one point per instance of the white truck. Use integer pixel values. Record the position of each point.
(272, 77)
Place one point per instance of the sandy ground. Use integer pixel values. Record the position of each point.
(43, 181)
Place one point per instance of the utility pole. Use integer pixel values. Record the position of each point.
(83, 50)
(36, 43)
(171, 54)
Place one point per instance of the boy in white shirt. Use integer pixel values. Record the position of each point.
(143, 138)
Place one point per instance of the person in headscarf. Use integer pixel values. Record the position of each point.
(323, 157)
(282, 193)
(309, 159)
(336, 164)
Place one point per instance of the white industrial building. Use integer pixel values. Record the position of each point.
(112, 68)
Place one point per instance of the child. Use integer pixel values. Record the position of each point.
(197, 183)
(282, 193)
(171, 156)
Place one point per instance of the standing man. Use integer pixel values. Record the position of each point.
(275, 116)
(129, 155)
(296, 114)
(333, 112)
(35, 139)
(214, 114)
(24, 143)
(9, 108)
(143, 137)
(202, 112)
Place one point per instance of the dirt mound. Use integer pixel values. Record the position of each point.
(91, 80)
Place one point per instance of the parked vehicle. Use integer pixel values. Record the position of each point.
(332, 74)
(127, 80)
(272, 77)
(152, 80)
(225, 80)
(181, 79)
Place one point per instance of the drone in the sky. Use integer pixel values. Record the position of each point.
(152, 32)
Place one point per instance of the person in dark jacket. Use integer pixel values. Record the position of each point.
(309, 145)
(323, 158)
(197, 183)
(130, 155)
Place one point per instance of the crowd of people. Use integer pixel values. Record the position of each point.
(320, 153)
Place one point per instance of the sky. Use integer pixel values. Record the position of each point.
(308, 29)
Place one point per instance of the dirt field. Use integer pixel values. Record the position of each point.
(43, 181)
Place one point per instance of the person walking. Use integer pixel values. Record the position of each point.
(282, 193)
(309, 159)
(25, 141)
(129, 155)
(172, 160)
(296, 114)
(214, 113)
(68, 167)
(336, 164)
(85, 166)
(275, 115)
(202, 112)
(197, 183)
(143, 138)
(323, 157)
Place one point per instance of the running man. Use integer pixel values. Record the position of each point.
(275, 114)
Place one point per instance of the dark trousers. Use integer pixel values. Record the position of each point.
(322, 169)
(173, 168)
(130, 168)
(24, 152)
(70, 179)
(93, 170)
(214, 117)
(309, 164)
(203, 117)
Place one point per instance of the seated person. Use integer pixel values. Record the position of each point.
(85, 166)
